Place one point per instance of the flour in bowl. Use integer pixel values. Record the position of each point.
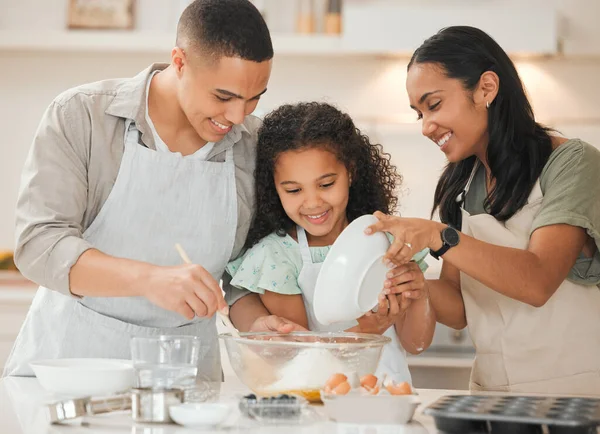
(310, 369)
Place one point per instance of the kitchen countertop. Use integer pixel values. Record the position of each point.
(22, 412)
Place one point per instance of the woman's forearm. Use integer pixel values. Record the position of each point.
(447, 303)
(530, 276)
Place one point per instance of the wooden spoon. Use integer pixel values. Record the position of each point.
(224, 317)
(257, 367)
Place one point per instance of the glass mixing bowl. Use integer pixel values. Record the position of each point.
(301, 362)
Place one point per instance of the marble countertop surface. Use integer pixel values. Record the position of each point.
(22, 411)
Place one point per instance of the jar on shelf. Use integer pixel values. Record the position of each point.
(333, 17)
(305, 21)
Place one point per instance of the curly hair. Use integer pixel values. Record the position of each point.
(307, 125)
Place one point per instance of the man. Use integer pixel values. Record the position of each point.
(122, 170)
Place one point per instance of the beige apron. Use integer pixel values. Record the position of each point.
(553, 349)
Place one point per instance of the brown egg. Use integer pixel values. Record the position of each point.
(366, 390)
(334, 381)
(398, 389)
(342, 388)
(369, 381)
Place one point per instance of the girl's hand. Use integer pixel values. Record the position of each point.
(274, 323)
(388, 312)
(411, 235)
(406, 280)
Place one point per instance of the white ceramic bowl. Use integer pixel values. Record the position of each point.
(382, 409)
(84, 377)
(200, 414)
(352, 275)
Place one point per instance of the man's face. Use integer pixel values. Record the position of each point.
(216, 95)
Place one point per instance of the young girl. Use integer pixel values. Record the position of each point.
(523, 271)
(315, 173)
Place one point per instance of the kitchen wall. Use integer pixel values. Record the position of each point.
(564, 90)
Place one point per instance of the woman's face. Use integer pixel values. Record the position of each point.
(313, 186)
(453, 117)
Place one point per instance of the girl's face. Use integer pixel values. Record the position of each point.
(313, 186)
(454, 118)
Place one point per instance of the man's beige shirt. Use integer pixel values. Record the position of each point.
(72, 167)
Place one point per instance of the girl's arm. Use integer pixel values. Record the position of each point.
(530, 276)
(416, 324)
(287, 306)
(416, 327)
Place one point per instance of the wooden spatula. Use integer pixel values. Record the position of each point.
(258, 367)
(224, 317)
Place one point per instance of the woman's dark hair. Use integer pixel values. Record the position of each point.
(319, 125)
(518, 146)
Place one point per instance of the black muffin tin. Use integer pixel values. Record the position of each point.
(467, 414)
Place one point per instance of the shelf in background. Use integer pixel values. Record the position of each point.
(150, 43)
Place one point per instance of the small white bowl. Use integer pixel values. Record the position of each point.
(200, 414)
(84, 377)
(382, 409)
(352, 275)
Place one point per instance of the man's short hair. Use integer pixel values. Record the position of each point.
(225, 28)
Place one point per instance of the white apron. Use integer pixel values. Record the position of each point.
(554, 349)
(158, 199)
(393, 358)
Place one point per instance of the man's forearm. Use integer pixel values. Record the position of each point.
(96, 274)
(245, 311)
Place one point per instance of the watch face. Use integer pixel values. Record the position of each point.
(451, 236)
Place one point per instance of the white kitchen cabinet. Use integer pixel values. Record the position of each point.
(580, 27)
(400, 26)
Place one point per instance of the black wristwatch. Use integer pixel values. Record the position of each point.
(450, 238)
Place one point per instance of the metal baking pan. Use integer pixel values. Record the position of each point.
(515, 414)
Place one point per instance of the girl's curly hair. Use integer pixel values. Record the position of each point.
(319, 125)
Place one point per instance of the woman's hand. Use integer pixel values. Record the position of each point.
(411, 235)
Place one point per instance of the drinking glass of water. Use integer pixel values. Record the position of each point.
(165, 362)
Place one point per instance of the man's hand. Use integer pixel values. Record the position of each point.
(187, 289)
(273, 323)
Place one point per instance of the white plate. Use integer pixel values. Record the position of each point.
(84, 377)
(200, 414)
(382, 409)
(352, 275)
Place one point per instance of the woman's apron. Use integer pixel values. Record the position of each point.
(553, 349)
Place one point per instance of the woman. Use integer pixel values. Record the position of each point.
(523, 271)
